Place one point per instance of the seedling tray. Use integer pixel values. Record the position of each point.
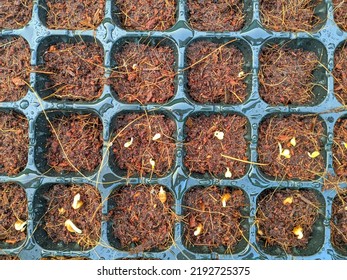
(324, 40)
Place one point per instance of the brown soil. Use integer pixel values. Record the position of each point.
(81, 139)
(340, 75)
(146, 14)
(144, 74)
(87, 218)
(289, 15)
(220, 226)
(14, 141)
(285, 75)
(78, 14)
(141, 129)
(217, 16)
(338, 222)
(307, 132)
(141, 220)
(8, 258)
(340, 15)
(204, 150)
(281, 212)
(340, 148)
(13, 208)
(14, 68)
(73, 71)
(15, 14)
(215, 73)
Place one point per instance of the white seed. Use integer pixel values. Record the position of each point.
(156, 136)
(128, 144)
(298, 231)
(70, 226)
(314, 154)
(227, 173)
(77, 203)
(285, 152)
(162, 195)
(219, 135)
(152, 162)
(134, 66)
(198, 230)
(20, 225)
(293, 142)
(241, 74)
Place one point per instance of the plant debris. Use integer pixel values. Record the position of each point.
(213, 73)
(14, 68)
(13, 207)
(339, 149)
(145, 155)
(15, 14)
(338, 222)
(286, 225)
(78, 145)
(219, 16)
(340, 75)
(145, 15)
(144, 74)
(204, 151)
(340, 15)
(309, 133)
(73, 71)
(140, 220)
(210, 223)
(77, 14)
(87, 218)
(289, 15)
(14, 141)
(286, 75)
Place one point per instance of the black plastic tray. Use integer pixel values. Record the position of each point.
(324, 41)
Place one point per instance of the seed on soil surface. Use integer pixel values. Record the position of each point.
(288, 200)
(228, 173)
(298, 232)
(314, 154)
(77, 202)
(219, 135)
(285, 153)
(156, 136)
(198, 230)
(128, 144)
(212, 73)
(293, 142)
(225, 197)
(152, 162)
(20, 225)
(71, 227)
(162, 195)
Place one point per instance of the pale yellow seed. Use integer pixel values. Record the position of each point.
(77, 203)
(225, 197)
(288, 200)
(134, 66)
(346, 208)
(314, 154)
(129, 143)
(298, 231)
(20, 225)
(344, 144)
(285, 153)
(260, 232)
(219, 135)
(293, 142)
(71, 227)
(241, 74)
(227, 173)
(156, 136)
(198, 230)
(61, 211)
(162, 195)
(152, 163)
